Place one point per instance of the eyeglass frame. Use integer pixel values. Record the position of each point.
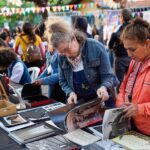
(69, 46)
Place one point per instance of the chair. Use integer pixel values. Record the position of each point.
(34, 72)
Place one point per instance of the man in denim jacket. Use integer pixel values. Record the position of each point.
(85, 71)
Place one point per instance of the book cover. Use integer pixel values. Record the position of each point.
(72, 117)
(32, 133)
(114, 123)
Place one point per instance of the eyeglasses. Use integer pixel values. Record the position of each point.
(65, 50)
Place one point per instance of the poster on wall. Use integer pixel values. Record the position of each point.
(146, 15)
(113, 18)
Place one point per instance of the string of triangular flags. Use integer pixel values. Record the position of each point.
(73, 7)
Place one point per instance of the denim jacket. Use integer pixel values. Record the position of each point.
(53, 77)
(96, 64)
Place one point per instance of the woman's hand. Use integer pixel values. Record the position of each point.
(37, 82)
(131, 110)
(102, 93)
(72, 98)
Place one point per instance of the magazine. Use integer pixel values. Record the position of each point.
(32, 133)
(114, 123)
(72, 117)
(133, 141)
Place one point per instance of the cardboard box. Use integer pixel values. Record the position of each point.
(7, 108)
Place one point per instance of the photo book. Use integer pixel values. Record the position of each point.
(114, 123)
(32, 133)
(72, 117)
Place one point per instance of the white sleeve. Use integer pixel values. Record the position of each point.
(17, 72)
(105, 33)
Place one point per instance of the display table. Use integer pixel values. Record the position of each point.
(59, 142)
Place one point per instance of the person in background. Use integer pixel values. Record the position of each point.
(50, 74)
(3, 44)
(95, 33)
(81, 24)
(85, 71)
(18, 30)
(9, 40)
(122, 60)
(40, 28)
(5, 37)
(134, 93)
(28, 36)
(17, 70)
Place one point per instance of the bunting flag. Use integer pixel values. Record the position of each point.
(71, 7)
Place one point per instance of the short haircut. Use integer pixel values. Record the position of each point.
(4, 35)
(81, 24)
(126, 14)
(7, 56)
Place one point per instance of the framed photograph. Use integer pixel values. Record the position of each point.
(13, 120)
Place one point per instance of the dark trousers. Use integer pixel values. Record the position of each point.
(121, 67)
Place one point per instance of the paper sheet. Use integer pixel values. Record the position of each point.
(81, 137)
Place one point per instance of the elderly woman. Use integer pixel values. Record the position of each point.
(85, 71)
(134, 92)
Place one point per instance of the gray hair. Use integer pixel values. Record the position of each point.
(59, 37)
(60, 31)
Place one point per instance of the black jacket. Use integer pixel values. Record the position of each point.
(115, 43)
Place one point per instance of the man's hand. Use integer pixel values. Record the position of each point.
(37, 82)
(131, 110)
(102, 93)
(72, 98)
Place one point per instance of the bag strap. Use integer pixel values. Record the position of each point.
(130, 95)
(24, 51)
(23, 40)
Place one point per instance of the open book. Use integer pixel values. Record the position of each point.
(114, 123)
(72, 117)
(133, 141)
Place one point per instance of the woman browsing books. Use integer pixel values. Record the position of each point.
(134, 92)
(85, 71)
